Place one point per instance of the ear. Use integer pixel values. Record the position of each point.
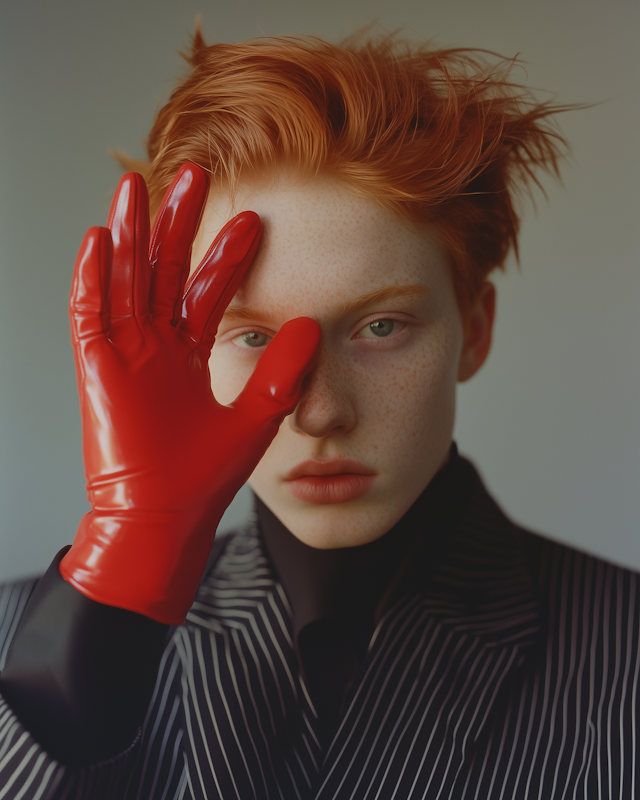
(478, 329)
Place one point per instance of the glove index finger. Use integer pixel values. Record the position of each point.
(218, 277)
(274, 388)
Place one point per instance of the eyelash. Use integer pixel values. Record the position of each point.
(392, 335)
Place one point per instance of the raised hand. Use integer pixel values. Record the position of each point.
(162, 458)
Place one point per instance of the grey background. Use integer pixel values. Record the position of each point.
(552, 420)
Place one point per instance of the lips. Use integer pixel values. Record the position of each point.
(337, 480)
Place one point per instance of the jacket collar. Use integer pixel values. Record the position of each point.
(472, 563)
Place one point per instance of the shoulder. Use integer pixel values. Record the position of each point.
(542, 553)
(582, 596)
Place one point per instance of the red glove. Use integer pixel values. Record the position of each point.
(163, 459)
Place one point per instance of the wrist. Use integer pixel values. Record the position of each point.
(148, 563)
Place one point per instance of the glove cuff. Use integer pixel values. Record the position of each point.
(152, 567)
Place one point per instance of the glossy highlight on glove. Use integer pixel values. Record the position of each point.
(163, 459)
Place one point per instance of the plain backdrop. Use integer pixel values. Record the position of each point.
(552, 419)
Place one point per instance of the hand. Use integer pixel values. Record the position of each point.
(162, 458)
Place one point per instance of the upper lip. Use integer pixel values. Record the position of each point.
(329, 466)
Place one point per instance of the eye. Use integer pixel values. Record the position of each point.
(380, 328)
(252, 339)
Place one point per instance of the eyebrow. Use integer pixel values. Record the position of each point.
(382, 295)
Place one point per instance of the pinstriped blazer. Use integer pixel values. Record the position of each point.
(503, 666)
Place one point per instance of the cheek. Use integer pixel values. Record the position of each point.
(228, 375)
(419, 375)
(422, 388)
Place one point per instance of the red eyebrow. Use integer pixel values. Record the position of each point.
(239, 313)
(382, 295)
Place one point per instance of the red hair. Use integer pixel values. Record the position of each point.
(440, 136)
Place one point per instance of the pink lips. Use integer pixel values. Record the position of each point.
(336, 480)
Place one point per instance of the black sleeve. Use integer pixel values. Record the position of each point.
(79, 675)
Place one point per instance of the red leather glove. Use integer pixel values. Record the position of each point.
(163, 459)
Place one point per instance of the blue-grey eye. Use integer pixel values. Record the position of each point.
(252, 339)
(382, 327)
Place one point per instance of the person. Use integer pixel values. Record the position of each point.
(379, 629)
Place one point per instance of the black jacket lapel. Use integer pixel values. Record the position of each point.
(461, 618)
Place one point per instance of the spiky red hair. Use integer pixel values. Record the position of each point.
(440, 136)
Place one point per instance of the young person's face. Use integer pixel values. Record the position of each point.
(377, 411)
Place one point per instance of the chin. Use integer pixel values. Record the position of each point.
(335, 526)
(329, 539)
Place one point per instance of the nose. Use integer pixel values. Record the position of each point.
(326, 406)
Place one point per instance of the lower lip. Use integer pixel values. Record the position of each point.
(327, 489)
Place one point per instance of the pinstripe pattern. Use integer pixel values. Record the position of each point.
(489, 682)
(13, 599)
(246, 720)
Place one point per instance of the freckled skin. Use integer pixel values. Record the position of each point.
(387, 402)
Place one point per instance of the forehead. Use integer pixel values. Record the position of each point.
(323, 243)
